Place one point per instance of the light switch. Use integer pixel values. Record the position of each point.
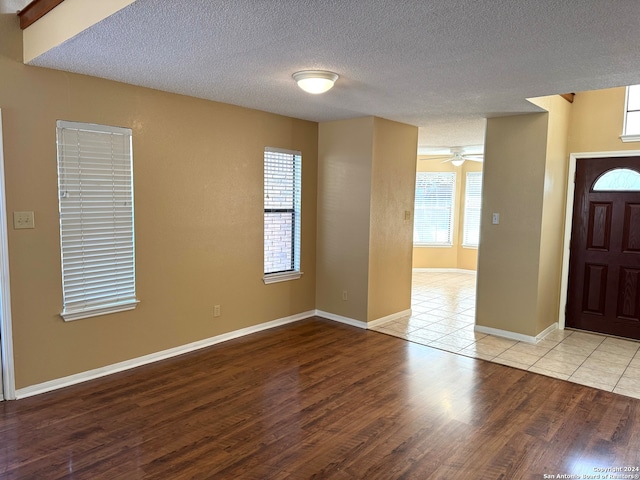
(23, 220)
(495, 218)
(407, 214)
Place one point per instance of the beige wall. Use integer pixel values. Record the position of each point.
(553, 210)
(366, 175)
(344, 194)
(392, 194)
(596, 122)
(198, 194)
(509, 253)
(455, 256)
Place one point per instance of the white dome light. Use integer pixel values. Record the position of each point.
(315, 81)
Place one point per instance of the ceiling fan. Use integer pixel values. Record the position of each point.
(457, 157)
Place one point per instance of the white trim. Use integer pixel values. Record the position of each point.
(93, 127)
(104, 310)
(389, 318)
(630, 138)
(6, 331)
(626, 112)
(154, 357)
(283, 150)
(281, 277)
(359, 323)
(551, 328)
(341, 319)
(635, 137)
(568, 221)
(516, 336)
(443, 270)
(433, 245)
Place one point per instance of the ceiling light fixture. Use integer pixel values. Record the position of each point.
(315, 81)
(457, 163)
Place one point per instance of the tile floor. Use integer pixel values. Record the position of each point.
(443, 311)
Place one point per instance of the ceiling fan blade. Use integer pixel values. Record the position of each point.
(474, 158)
(437, 158)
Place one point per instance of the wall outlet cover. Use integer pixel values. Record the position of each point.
(23, 220)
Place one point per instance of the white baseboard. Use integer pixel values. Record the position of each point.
(154, 357)
(359, 323)
(516, 336)
(443, 270)
(388, 318)
(341, 319)
(547, 331)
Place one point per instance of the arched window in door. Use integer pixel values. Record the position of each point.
(618, 180)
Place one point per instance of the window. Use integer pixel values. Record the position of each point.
(618, 179)
(433, 223)
(95, 191)
(282, 189)
(472, 207)
(631, 130)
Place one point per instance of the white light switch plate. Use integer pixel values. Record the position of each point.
(23, 220)
(495, 218)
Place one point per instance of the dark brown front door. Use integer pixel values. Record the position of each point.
(604, 265)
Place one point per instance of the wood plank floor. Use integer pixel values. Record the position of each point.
(317, 399)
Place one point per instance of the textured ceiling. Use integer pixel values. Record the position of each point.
(443, 65)
(12, 6)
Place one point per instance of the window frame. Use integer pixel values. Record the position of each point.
(92, 287)
(293, 270)
(626, 137)
(452, 176)
(467, 210)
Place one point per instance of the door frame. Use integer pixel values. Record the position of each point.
(6, 331)
(568, 222)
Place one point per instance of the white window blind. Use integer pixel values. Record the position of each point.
(282, 202)
(95, 187)
(433, 217)
(472, 209)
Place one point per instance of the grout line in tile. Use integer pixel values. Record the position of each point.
(441, 292)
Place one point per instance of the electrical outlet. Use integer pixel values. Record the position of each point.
(216, 310)
(23, 220)
(345, 296)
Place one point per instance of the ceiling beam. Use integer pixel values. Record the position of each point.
(65, 20)
(35, 11)
(568, 96)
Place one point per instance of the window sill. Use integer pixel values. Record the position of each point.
(426, 245)
(472, 247)
(281, 277)
(69, 316)
(630, 138)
